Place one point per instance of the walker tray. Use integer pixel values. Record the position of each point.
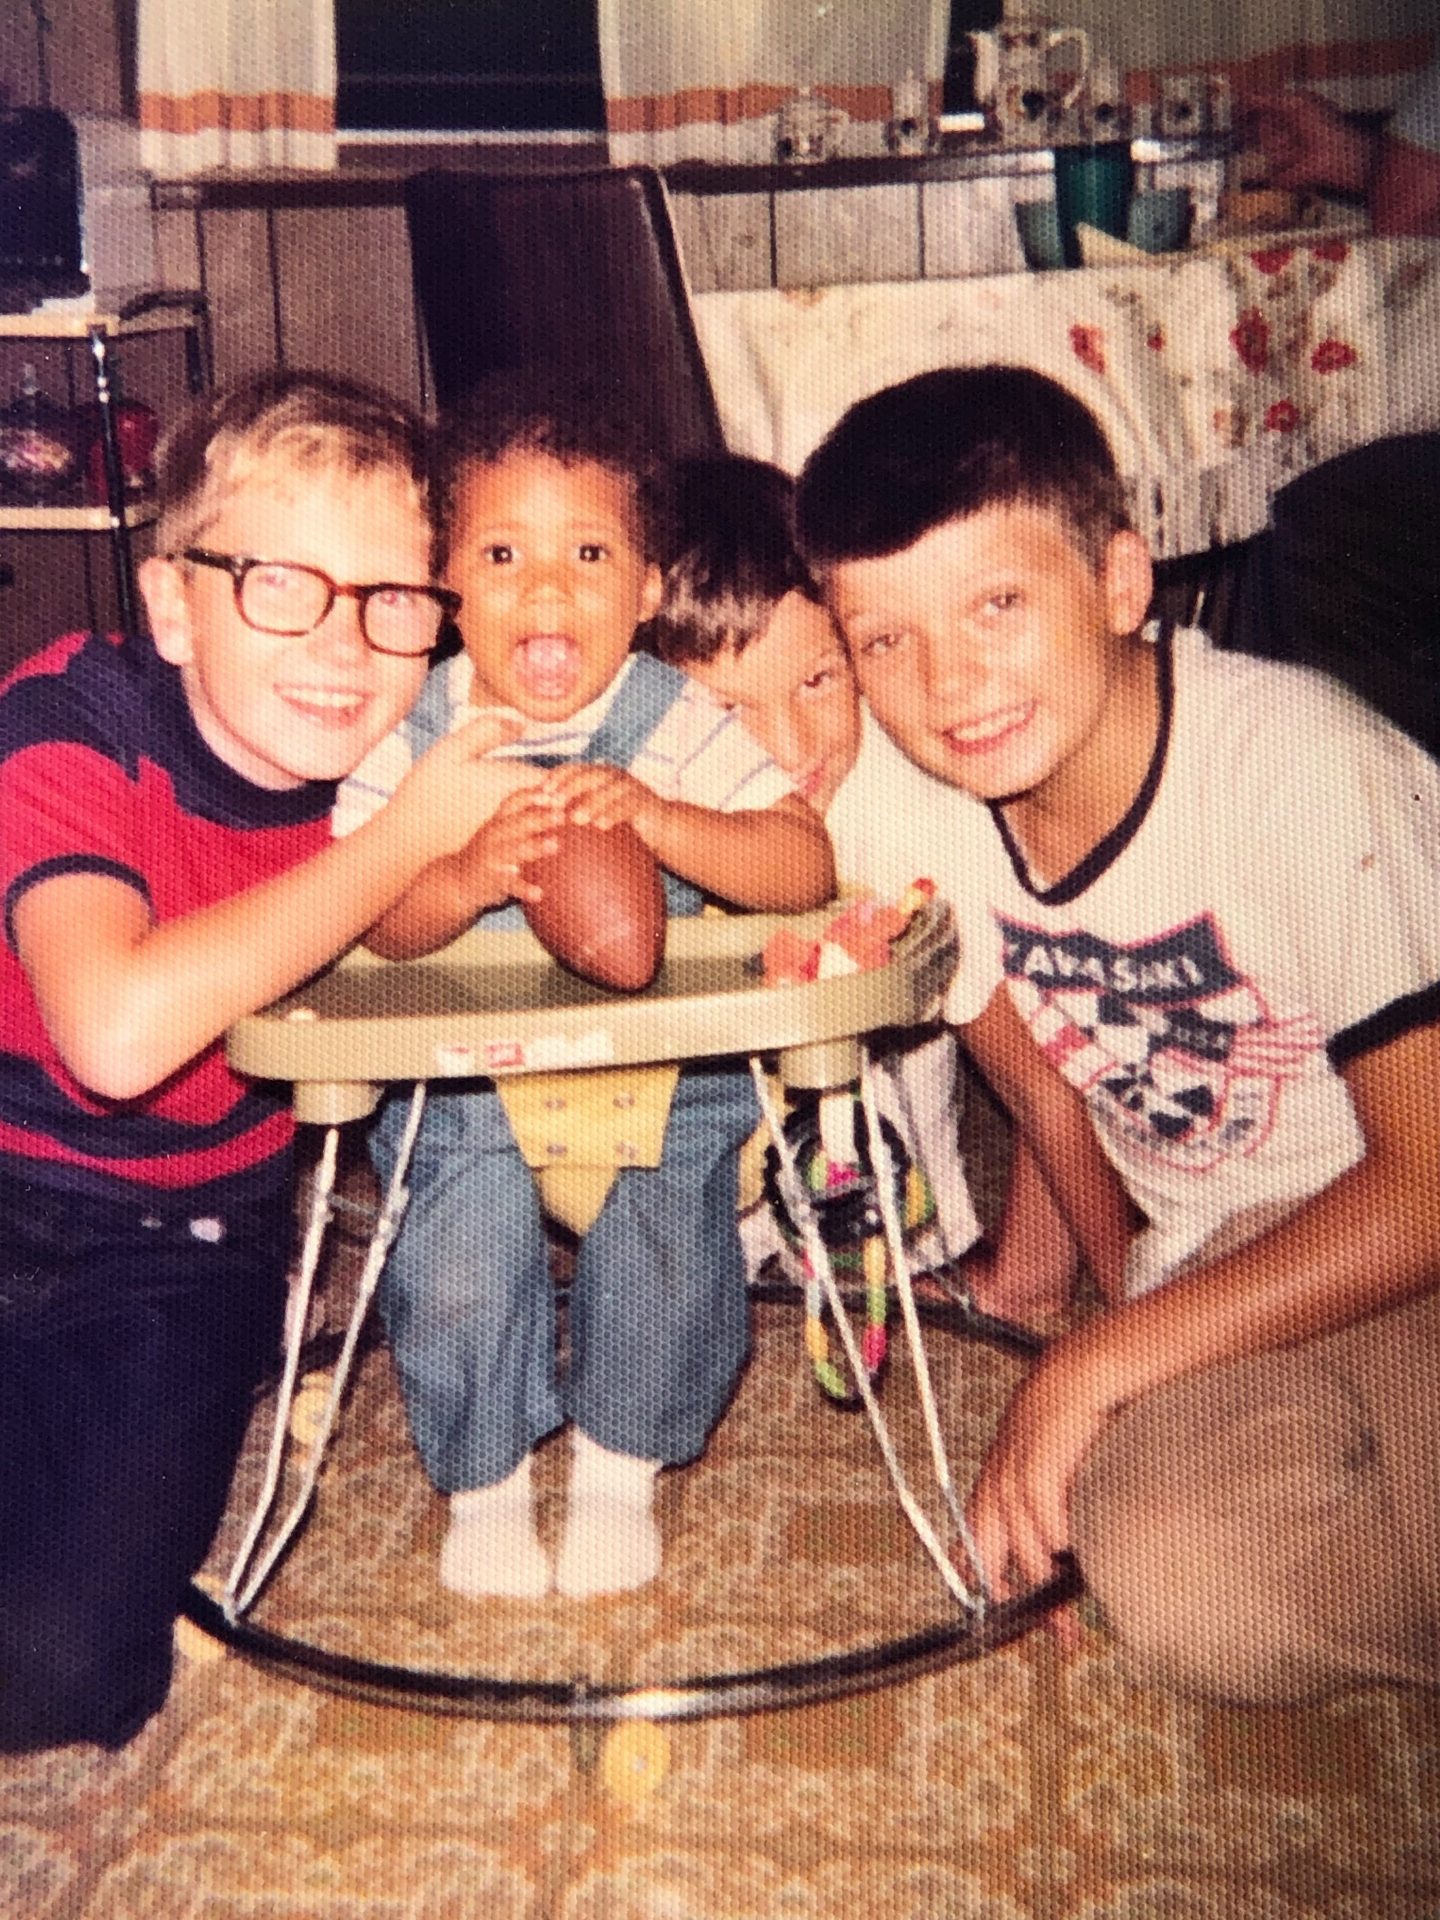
(496, 1004)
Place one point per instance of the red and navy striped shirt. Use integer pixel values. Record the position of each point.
(102, 770)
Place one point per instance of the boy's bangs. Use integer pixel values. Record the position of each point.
(276, 459)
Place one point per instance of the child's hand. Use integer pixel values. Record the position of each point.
(521, 829)
(602, 796)
(453, 790)
(1019, 1509)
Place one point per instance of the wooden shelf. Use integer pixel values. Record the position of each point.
(167, 313)
(83, 519)
(84, 330)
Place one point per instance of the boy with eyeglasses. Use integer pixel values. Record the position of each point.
(167, 866)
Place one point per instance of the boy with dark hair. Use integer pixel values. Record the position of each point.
(167, 867)
(552, 538)
(742, 612)
(1208, 884)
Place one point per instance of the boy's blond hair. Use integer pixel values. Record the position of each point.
(283, 422)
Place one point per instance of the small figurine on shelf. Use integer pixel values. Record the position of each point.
(39, 459)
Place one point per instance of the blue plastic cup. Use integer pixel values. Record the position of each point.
(1092, 186)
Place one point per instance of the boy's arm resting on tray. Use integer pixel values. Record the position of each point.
(775, 859)
(132, 1001)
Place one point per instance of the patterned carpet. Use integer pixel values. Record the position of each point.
(1020, 1786)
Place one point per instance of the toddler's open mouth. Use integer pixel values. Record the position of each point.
(547, 665)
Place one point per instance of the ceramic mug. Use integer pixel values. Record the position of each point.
(1013, 83)
(1159, 219)
(1103, 111)
(806, 128)
(1184, 102)
(910, 128)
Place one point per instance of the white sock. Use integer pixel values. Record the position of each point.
(492, 1546)
(611, 1543)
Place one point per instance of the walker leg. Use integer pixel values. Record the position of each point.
(193, 1643)
(297, 1312)
(803, 1214)
(895, 1241)
(240, 1597)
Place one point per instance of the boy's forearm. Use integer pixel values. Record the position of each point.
(125, 1024)
(1086, 1189)
(1036, 1253)
(772, 860)
(1336, 1262)
(1368, 1242)
(1054, 1122)
(436, 909)
(1056, 1126)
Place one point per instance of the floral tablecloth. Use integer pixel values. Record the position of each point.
(1219, 375)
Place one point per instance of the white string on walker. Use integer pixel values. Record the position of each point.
(803, 1215)
(239, 1598)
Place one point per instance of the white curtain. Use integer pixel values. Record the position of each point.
(705, 79)
(236, 84)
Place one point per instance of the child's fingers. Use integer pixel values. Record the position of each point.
(521, 889)
(528, 803)
(607, 804)
(525, 832)
(567, 781)
(992, 1544)
(594, 796)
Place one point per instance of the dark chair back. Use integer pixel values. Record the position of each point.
(576, 271)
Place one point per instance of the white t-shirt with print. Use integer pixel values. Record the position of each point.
(1270, 908)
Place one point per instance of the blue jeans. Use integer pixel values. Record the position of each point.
(133, 1332)
(658, 1312)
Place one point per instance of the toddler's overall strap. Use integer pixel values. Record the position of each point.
(649, 691)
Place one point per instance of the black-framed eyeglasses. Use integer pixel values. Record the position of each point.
(284, 598)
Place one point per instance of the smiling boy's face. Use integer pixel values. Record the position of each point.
(995, 654)
(282, 710)
(549, 559)
(793, 687)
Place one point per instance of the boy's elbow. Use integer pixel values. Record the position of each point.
(111, 1071)
(805, 883)
(113, 1058)
(826, 882)
(809, 865)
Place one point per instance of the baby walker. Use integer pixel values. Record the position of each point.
(495, 1004)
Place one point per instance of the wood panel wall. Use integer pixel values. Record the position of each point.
(316, 272)
(83, 61)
